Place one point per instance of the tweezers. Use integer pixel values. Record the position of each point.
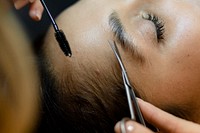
(131, 97)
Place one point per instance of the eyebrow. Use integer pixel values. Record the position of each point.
(122, 36)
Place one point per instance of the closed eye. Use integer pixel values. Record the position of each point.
(159, 25)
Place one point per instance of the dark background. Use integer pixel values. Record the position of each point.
(36, 29)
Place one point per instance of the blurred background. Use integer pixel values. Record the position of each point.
(35, 30)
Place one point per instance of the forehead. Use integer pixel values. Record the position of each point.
(194, 2)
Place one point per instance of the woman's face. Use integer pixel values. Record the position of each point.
(159, 45)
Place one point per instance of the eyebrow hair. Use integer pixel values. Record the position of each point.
(121, 35)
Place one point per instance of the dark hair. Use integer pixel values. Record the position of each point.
(81, 101)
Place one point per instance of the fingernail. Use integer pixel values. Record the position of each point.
(36, 15)
(117, 126)
(31, 1)
(129, 127)
(139, 99)
(20, 3)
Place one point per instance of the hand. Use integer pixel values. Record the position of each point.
(166, 123)
(36, 8)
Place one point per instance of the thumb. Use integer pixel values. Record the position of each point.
(132, 127)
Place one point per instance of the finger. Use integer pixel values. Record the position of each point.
(132, 127)
(20, 3)
(160, 119)
(31, 1)
(36, 10)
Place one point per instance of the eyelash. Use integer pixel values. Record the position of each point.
(160, 27)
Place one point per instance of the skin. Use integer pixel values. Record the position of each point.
(170, 74)
(36, 8)
(159, 119)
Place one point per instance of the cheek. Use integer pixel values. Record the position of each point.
(168, 80)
